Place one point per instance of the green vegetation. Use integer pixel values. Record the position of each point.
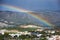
(20, 29)
(1, 37)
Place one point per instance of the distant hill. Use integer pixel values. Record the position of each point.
(17, 18)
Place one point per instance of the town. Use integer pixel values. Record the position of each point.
(38, 34)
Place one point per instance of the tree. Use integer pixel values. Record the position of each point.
(43, 37)
(1, 37)
(22, 37)
(6, 35)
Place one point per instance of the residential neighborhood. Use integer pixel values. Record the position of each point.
(27, 35)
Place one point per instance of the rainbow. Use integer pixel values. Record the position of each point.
(14, 8)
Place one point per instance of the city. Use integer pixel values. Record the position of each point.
(39, 33)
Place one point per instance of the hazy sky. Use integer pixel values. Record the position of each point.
(34, 4)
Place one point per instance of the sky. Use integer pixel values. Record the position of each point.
(34, 5)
